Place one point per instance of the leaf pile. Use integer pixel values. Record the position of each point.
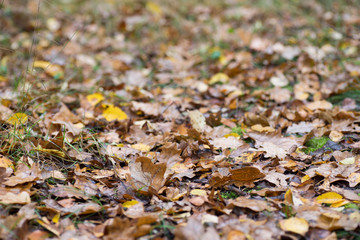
(179, 120)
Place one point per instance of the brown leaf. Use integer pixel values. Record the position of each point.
(149, 109)
(194, 230)
(11, 198)
(246, 174)
(273, 144)
(144, 174)
(23, 175)
(65, 115)
(253, 204)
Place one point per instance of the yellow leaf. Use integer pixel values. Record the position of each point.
(295, 224)
(329, 198)
(56, 218)
(340, 203)
(348, 161)
(113, 113)
(305, 178)
(95, 98)
(222, 60)
(51, 69)
(51, 151)
(236, 93)
(141, 147)
(3, 79)
(6, 163)
(219, 78)
(131, 203)
(198, 192)
(154, 8)
(233, 135)
(289, 197)
(17, 119)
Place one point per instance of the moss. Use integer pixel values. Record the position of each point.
(229, 195)
(238, 130)
(315, 144)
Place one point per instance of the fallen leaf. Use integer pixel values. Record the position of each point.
(198, 120)
(6, 163)
(95, 98)
(246, 174)
(329, 198)
(145, 174)
(253, 204)
(198, 192)
(219, 78)
(17, 119)
(141, 147)
(295, 224)
(11, 198)
(319, 105)
(273, 144)
(154, 8)
(53, 152)
(51, 69)
(112, 113)
(128, 204)
(149, 109)
(227, 142)
(347, 161)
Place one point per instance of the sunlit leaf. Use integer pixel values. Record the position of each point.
(51, 69)
(219, 78)
(51, 151)
(154, 8)
(329, 197)
(18, 119)
(94, 98)
(11, 198)
(198, 192)
(112, 113)
(295, 224)
(6, 163)
(128, 204)
(141, 147)
(347, 161)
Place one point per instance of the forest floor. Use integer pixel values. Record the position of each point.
(180, 119)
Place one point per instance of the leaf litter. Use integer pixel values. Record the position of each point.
(182, 120)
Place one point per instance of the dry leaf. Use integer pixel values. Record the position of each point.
(198, 120)
(219, 78)
(295, 224)
(145, 174)
(53, 70)
(11, 198)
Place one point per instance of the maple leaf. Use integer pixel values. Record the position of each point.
(145, 174)
(273, 144)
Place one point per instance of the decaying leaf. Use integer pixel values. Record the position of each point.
(145, 174)
(198, 120)
(179, 120)
(11, 198)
